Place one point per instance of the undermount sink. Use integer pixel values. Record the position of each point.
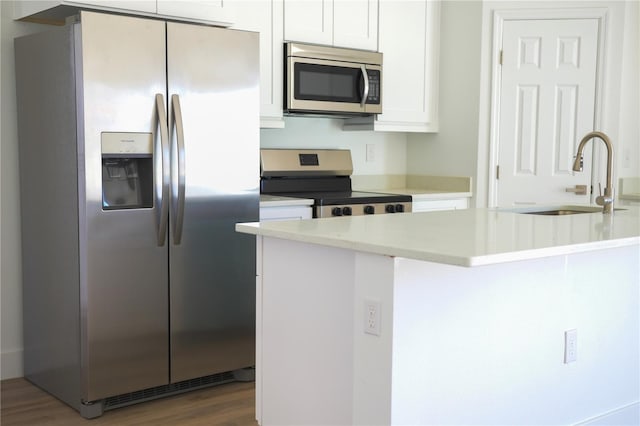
(560, 211)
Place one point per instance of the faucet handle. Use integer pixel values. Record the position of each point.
(607, 198)
(603, 200)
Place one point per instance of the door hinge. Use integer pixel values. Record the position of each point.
(500, 58)
(497, 172)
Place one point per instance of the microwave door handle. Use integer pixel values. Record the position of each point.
(365, 92)
(179, 198)
(162, 198)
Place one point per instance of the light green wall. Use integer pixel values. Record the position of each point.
(306, 132)
(453, 150)
(10, 269)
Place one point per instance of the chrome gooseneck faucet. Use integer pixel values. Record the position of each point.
(606, 200)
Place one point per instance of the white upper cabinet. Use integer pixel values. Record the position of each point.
(409, 41)
(342, 23)
(355, 24)
(55, 11)
(265, 17)
(218, 11)
(308, 21)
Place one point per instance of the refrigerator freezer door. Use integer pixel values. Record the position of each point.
(212, 268)
(124, 272)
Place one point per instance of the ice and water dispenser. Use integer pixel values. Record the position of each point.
(127, 170)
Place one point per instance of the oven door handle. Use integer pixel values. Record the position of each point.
(365, 92)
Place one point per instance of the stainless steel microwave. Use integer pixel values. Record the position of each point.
(331, 81)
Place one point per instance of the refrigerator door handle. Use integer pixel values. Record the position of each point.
(162, 198)
(177, 199)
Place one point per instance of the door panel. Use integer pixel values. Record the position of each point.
(547, 104)
(201, 10)
(124, 276)
(309, 21)
(212, 268)
(355, 24)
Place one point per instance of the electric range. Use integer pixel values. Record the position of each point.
(323, 175)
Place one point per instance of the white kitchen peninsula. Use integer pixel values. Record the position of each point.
(455, 317)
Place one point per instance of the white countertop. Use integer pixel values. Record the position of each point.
(277, 201)
(470, 237)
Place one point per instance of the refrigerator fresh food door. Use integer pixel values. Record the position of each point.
(124, 265)
(213, 78)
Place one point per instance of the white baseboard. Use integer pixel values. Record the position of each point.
(11, 365)
(625, 416)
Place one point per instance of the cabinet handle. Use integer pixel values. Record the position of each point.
(578, 190)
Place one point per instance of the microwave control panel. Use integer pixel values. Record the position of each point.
(374, 87)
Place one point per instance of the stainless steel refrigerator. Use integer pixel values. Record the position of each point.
(139, 151)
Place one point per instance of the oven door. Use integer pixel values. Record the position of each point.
(325, 86)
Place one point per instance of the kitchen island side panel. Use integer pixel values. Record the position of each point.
(46, 99)
(305, 358)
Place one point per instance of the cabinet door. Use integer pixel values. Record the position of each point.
(308, 21)
(134, 5)
(433, 205)
(355, 24)
(410, 76)
(210, 11)
(217, 11)
(50, 11)
(266, 18)
(268, 214)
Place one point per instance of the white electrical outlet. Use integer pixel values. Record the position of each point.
(372, 317)
(371, 153)
(570, 346)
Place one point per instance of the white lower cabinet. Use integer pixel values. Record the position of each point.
(409, 39)
(285, 213)
(266, 17)
(433, 205)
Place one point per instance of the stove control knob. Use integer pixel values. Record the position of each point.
(399, 208)
(390, 208)
(369, 210)
(336, 211)
(346, 211)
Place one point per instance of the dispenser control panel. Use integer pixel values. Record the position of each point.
(127, 143)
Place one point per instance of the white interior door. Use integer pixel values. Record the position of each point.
(547, 104)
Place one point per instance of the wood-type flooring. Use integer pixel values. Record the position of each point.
(231, 404)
